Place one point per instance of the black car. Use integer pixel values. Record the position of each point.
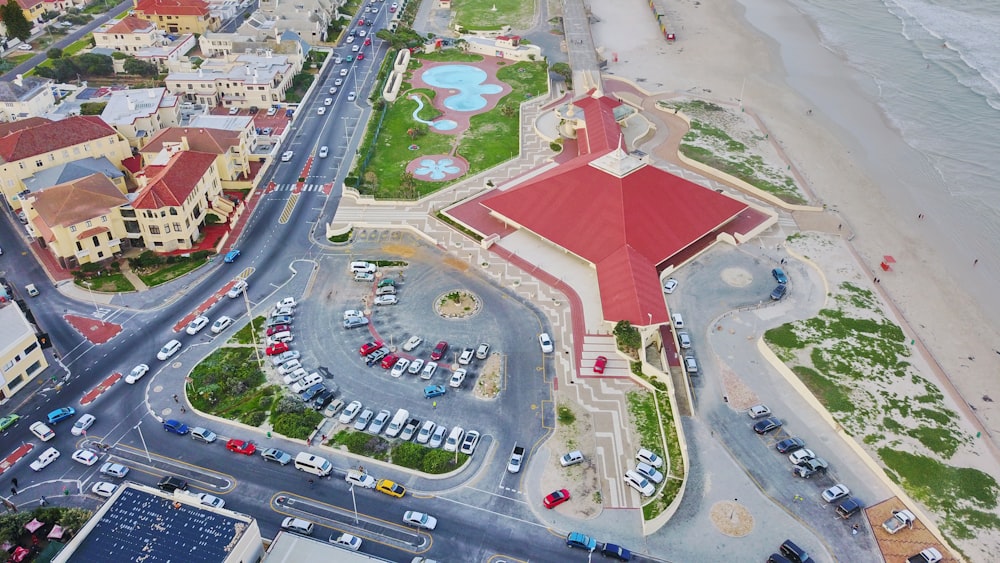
(789, 445)
(766, 425)
(322, 399)
(779, 292)
(849, 508)
(794, 552)
(170, 484)
(616, 552)
(376, 356)
(311, 392)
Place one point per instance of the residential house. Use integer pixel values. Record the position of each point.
(21, 357)
(170, 52)
(25, 96)
(32, 9)
(79, 221)
(140, 114)
(223, 45)
(241, 81)
(308, 18)
(129, 35)
(231, 148)
(178, 16)
(35, 144)
(74, 170)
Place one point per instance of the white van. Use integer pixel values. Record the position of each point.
(397, 423)
(316, 465)
(297, 525)
(363, 267)
(454, 439)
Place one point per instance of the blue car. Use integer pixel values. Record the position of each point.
(779, 292)
(779, 275)
(61, 414)
(176, 426)
(616, 552)
(582, 541)
(231, 256)
(432, 391)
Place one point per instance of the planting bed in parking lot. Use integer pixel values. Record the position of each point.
(650, 412)
(859, 364)
(404, 454)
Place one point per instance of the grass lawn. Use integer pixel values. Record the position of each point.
(171, 271)
(229, 383)
(77, 46)
(648, 419)
(245, 334)
(115, 283)
(479, 14)
(18, 59)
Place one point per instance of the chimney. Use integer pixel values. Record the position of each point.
(140, 179)
(19, 80)
(152, 92)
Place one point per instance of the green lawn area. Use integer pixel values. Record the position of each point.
(229, 383)
(479, 14)
(114, 283)
(171, 271)
(245, 334)
(77, 46)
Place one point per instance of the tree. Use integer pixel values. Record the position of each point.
(94, 65)
(407, 186)
(54, 53)
(628, 337)
(13, 17)
(142, 68)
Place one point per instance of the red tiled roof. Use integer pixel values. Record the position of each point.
(28, 4)
(173, 7)
(626, 226)
(20, 124)
(77, 201)
(215, 141)
(130, 24)
(133, 164)
(53, 135)
(602, 132)
(171, 184)
(92, 232)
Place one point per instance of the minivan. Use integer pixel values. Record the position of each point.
(397, 423)
(678, 320)
(316, 465)
(297, 525)
(362, 266)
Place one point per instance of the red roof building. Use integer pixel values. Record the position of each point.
(618, 212)
(48, 136)
(172, 184)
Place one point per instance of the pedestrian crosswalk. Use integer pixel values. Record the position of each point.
(304, 188)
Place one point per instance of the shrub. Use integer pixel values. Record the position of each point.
(296, 425)
(289, 405)
(254, 418)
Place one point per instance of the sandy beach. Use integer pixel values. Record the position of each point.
(829, 134)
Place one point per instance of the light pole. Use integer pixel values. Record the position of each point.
(143, 440)
(253, 333)
(355, 501)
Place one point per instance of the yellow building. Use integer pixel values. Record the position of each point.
(35, 144)
(178, 16)
(241, 81)
(231, 147)
(33, 9)
(129, 35)
(21, 357)
(140, 114)
(80, 221)
(24, 97)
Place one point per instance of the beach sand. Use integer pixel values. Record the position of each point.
(720, 56)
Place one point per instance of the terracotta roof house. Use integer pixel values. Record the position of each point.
(229, 145)
(178, 16)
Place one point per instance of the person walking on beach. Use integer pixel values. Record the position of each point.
(13, 491)
(175, 398)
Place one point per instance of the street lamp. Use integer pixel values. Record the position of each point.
(143, 440)
(253, 333)
(355, 501)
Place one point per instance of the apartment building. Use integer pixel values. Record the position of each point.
(140, 114)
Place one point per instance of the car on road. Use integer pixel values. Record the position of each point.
(390, 488)
(379, 422)
(343, 72)
(669, 286)
(231, 256)
(369, 347)
(412, 343)
(355, 322)
(43, 461)
(415, 366)
(275, 349)
(200, 434)
(104, 489)
(439, 350)
(61, 414)
(546, 343)
(364, 419)
(346, 541)
(333, 89)
(8, 421)
(616, 552)
(432, 391)
(555, 498)
(457, 378)
(779, 276)
(176, 427)
(779, 292)
(400, 367)
(600, 363)
(350, 412)
(685, 340)
(114, 470)
(355, 49)
(287, 156)
(276, 455)
(470, 442)
(297, 526)
(849, 508)
(195, 326)
(649, 458)
(136, 373)
(424, 435)
(85, 457)
(168, 350)
(691, 364)
(350, 39)
(429, 369)
(238, 288)
(649, 472)
(321, 110)
(758, 411)
(221, 324)
(43, 432)
(767, 425)
(466, 356)
(835, 493)
(419, 519)
(798, 456)
(324, 151)
(368, 41)
(328, 101)
(81, 425)
(810, 467)
(581, 541)
(572, 458)
(210, 500)
(789, 445)
(241, 446)
(482, 351)
(169, 483)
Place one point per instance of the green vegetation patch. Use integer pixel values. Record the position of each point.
(13, 532)
(229, 383)
(342, 238)
(643, 408)
(111, 283)
(421, 458)
(154, 269)
(246, 334)
(362, 443)
(492, 14)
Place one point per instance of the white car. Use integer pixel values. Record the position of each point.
(400, 367)
(283, 336)
(328, 101)
(285, 357)
(347, 541)
(195, 326)
(364, 420)
(457, 378)
(684, 339)
(307, 382)
(324, 151)
(343, 72)
(351, 96)
(429, 370)
(355, 48)
(670, 285)
(320, 110)
(412, 343)
(350, 412)
(85, 457)
(210, 500)
(420, 520)
(649, 458)
(799, 456)
(572, 458)
(353, 314)
(546, 343)
(415, 366)
(338, 81)
(350, 39)
(82, 424)
(381, 419)
(168, 350)
(43, 432)
(136, 373)
(649, 472)
(24, 47)
(454, 439)
(639, 483)
(835, 493)
(281, 311)
(221, 324)
(236, 290)
(295, 376)
(678, 320)
(43, 461)
(289, 366)
(425, 431)
(287, 156)
(437, 437)
(114, 470)
(470, 442)
(466, 356)
(104, 489)
(386, 300)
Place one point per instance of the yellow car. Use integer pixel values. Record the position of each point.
(390, 488)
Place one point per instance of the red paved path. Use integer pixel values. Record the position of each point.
(205, 305)
(101, 388)
(14, 457)
(94, 330)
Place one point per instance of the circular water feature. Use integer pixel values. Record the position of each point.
(467, 80)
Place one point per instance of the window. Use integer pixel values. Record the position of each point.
(154, 230)
(157, 243)
(177, 227)
(79, 246)
(33, 368)
(30, 347)
(16, 382)
(72, 228)
(39, 163)
(89, 223)
(166, 229)
(100, 254)
(104, 218)
(95, 240)
(110, 237)
(173, 211)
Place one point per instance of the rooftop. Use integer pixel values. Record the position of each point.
(250, 69)
(46, 136)
(171, 183)
(126, 106)
(214, 141)
(71, 171)
(128, 24)
(173, 7)
(13, 327)
(77, 201)
(23, 88)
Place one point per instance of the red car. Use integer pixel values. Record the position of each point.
(368, 40)
(361, 56)
(439, 350)
(245, 448)
(278, 328)
(389, 361)
(369, 347)
(599, 364)
(556, 498)
(361, 21)
(277, 348)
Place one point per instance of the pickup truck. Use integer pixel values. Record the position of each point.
(900, 519)
(516, 457)
(929, 555)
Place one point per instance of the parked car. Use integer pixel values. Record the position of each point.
(545, 343)
(581, 541)
(389, 361)
(275, 349)
(810, 467)
(470, 442)
(457, 378)
(306, 382)
(379, 422)
(779, 292)
(114, 470)
(333, 408)
(669, 286)
(767, 425)
(364, 420)
(639, 483)
(244, 447)
(691, 364)
(424, 435)
(276, 455)
(203, 435)
(168, 350)
(432, 391)
(176, 427)
(376, 357)
(346, 541)
(439, 350)
(221, 324)
(210, 500)
(789, 445)
(572, 458)
(779, 276)
(483, 351)
(400, 367)
(555, 498)
(390, 488)
(684, 339)
(369, 347)
(835, 493)
(649, 458)
(466, 356)
(355, 322)
(410, 429)
(649, 472)
(169, 483)
(415, 366)
(677, 320)
(104, 489)
(758, 411)
(429, 369)
(798, 456)
(349, 414)
(849, 508)
(285, 357)
(412, 343)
